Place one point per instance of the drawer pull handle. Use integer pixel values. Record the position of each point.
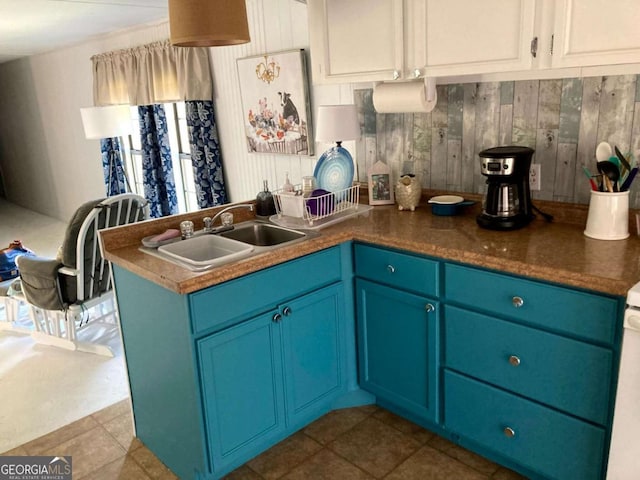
(429, 308)
(509, 432)
(514, 360)
(276, 317)
(391, 269)
(517, 302)
(286, 311)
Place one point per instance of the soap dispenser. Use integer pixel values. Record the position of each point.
(288, 186)
(265, 205)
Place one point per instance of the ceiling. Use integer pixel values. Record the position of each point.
(28, 27)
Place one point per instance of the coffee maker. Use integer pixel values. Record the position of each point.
(507, 205)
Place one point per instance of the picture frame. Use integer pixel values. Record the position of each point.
(380, 185)
(274, 89)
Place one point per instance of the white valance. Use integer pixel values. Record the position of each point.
(153, 73)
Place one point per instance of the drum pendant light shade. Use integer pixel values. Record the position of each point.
(208, 23)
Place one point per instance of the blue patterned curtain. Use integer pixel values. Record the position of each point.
(110, 148)
(205, 153)
(157, 169)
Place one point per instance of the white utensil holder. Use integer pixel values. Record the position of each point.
(608, 217)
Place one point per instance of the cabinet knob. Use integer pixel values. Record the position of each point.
(429, 308)
(509, 432)
(276, 317)
(391, 269)
(514, 360)
(517, 302)
(396, 74)
(416, 73)
(286, 311)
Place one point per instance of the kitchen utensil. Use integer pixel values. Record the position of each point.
(446, 205)
(610, 172)
(623, 160)
(603, 152)
(308, 185)
(334, 171)
(321, 202)
(627, 181)
(587, 172)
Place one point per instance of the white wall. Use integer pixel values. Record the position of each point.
(48, 165)
(274, 26)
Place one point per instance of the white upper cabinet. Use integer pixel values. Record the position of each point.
(596, 32)
(463, 37)
(356, 40)
(377, 40)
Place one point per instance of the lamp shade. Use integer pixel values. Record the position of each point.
(208, 23)
(106, 122)
(337, 123)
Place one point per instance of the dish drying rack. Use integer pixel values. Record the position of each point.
(293, 210)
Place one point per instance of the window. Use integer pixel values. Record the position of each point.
(180, 156)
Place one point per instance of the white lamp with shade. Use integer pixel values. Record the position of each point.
(336, 123)
(108, 122)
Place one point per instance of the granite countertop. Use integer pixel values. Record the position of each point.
(558, 252)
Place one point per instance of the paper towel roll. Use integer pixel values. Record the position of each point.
(402, 97)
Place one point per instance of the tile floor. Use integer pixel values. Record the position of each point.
(355, 443)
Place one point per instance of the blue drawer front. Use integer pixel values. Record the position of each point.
(560, 309)
(545, 441)
(405, 271)
(219, 305)
(563, 373)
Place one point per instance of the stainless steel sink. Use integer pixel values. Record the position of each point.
(206, 251)
(250, 238)
(263, 234)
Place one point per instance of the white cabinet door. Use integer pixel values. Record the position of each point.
(355, 40)
(464, 37)
(596, 32)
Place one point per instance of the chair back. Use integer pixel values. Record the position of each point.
(82, 250)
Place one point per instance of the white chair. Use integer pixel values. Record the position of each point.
(75, 290)
(12, 310)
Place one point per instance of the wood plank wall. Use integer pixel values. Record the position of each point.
(563, 120)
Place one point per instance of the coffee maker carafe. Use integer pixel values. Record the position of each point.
(507, 205)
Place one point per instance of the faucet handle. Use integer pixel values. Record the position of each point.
(207, 224)
(226, 218)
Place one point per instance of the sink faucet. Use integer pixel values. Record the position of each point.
(231, 207)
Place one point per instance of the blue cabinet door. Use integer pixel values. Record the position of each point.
(313, 336)
(397, 347)
(241, 376)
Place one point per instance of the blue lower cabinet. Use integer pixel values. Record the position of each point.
(397, 342)
(312, 337)
(270, 375)
(554, 445)
(242, 387)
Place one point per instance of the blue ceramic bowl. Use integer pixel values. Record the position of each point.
(447, 205)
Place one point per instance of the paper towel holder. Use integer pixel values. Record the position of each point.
(405, 96)
(429, 87)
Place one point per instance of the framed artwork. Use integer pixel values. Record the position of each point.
(275, 103)
(380, 186)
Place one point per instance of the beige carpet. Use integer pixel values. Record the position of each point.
(43, 388)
